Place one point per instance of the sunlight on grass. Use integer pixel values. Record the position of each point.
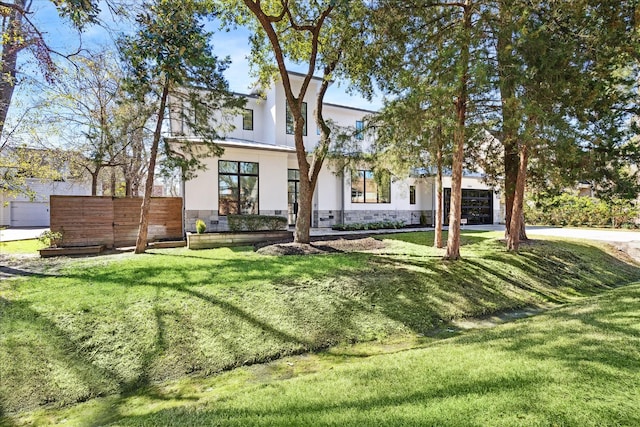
(21, 247)
(569, 367)
(120, 323)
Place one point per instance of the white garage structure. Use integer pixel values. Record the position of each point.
(23, 212)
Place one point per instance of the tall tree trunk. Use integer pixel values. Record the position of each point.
(509, 110)
(13, 43)
(305, 204)
(94, 181)
(438, 231)
(513, 239)
(143, 229)
(112, 182)
(459, 136)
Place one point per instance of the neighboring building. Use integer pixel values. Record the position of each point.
(21, 211)
(258, 174)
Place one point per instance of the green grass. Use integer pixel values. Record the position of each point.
(21, 247)
(122, 324)
(574, 366)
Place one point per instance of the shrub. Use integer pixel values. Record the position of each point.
(51, 238)
(256, 222)
(423, 218)
(357, 226)
(201, 227)
(567, 209)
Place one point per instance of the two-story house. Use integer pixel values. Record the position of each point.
(258, 174)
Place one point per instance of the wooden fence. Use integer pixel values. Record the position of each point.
(113, 222)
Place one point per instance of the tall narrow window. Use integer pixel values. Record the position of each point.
(412, 194)
(290, 119)
(237, 187)
(366, 187)
(247, 119)
(359, 129)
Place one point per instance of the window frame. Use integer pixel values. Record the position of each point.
(289, 119)
(247, 114)
(239, 174)
(362, 176)
(359, 130)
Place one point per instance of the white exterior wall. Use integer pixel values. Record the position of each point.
(43, 190)
(332, 198)
(259, 119)
(476, 183)
(5, 211)
(201, 193)
(328, 194)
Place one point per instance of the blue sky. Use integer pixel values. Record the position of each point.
(234, 43)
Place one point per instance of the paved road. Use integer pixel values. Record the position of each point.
(20, 233)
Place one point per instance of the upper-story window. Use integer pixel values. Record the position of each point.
(412, 194)
(369, 188)
(359, 129)
(247, 119)
(290, 119)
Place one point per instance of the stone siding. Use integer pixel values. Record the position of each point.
(409, 217)
(215, 222)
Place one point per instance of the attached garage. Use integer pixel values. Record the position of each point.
(29, 214)
(477, 206)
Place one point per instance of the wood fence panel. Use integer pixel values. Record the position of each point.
(125, 225)
(165, 219)
(94, 220)
(82, 220)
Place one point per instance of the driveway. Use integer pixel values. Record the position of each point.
(613, 235)
(10, 234)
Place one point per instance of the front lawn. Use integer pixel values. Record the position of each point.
(117, 324)
(30, 246)
(574, 366)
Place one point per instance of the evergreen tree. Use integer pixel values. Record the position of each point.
(170, 53)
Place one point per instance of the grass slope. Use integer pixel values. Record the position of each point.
(118, 324)
(573, 366)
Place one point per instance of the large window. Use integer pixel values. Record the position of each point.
(290, 119)
(367, 187)
(247, 119)
(237, 187)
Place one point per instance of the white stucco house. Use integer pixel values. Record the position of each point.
(23, 211)
(258, 174)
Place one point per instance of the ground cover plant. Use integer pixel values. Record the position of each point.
(118, 324)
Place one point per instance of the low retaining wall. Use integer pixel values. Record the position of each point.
(220, 240)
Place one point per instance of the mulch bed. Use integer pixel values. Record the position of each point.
(323, 247)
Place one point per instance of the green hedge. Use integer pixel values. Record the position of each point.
(567, 209)
(256, 222)
(380, 225)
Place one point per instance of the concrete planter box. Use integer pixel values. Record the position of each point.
(220, 240)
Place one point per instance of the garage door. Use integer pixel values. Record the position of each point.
(477, 206)
(29, 214)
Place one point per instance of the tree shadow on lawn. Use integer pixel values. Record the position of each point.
(352, 409)
(425, 238)
(576, 345)
(310, 303)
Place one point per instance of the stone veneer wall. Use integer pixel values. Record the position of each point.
(330, 218)
(321, 218)
(216, 223)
